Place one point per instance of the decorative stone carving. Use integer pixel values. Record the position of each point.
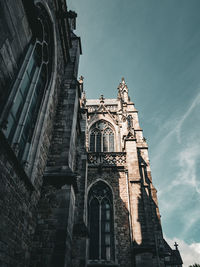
(107, 158)
(101, 99)
(110, 108)
(92, 108)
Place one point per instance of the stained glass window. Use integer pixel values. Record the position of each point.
(94, 228)
(102, 137)
(29, 90)
(98, 142)
(100, 218)
(111, 141)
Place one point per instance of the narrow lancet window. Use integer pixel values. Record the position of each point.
(100, 218)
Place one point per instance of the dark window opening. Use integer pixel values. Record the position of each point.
(35, 78)
(100, 219)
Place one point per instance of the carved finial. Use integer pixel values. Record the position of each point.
(81, 83)
(101, 99)
(81, 79)
(176, 245)
(122, 85)
(123, 90)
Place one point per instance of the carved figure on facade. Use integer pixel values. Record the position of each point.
(129, 122)
(83, 99)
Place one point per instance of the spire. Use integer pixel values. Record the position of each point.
(123, 91)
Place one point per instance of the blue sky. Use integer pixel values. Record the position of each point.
(155, 45)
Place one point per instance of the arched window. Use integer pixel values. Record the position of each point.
(102, 137)
(100, 219)
(29, 89)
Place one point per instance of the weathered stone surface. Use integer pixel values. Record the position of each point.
(138, 233)
(18, 206)
(44, 200)
(31, 226)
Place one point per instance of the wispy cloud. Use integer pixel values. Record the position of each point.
(187, 154)
(195, 103)
(173, 127)
(191, 218)
(179, 153)
(187, 159)
(184, 185)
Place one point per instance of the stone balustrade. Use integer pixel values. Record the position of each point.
(107, 158)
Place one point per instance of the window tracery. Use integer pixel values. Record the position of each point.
(102, 137)
(28, 91)
(100, 218)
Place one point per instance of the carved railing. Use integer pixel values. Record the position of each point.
(107, 158)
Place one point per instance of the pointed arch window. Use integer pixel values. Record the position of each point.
(102, 137)
(100, 218)
(28, 91)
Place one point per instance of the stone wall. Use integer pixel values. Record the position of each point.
(80, 231)
(22, 203)
(53, 236)
(63, 147)
(55, 220)
(18, 201)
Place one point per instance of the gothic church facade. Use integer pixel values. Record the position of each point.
(75, 181)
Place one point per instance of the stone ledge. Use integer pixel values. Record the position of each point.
(59, 176)
(142, 145)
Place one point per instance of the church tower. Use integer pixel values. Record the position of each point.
(121, 207)
(75, 180)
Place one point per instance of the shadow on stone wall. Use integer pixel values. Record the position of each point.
(150, 251)
(53, 235)
(153, 249)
